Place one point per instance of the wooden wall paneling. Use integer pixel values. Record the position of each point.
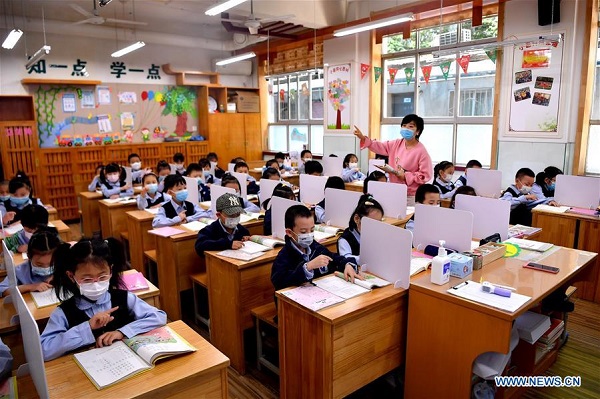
(589, 288)
(149, 154)
(194, 150)
(117, 153)
(254, 141)
(226, 132)
(57, 167)
(85, 160)
(170, 149)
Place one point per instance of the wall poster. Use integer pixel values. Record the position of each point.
(339, 95)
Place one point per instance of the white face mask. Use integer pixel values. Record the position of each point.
(525, 189)
(213, 164)
(136, 165)
(231, 223)
(307, 160)
(304, 240)
(94, 291)
(448, 177)
(353, 165)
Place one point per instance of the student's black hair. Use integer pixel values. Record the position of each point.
(178, 157)
(347, 159)
(203, 162)
(304, 152)
(425, 189)
(33, 216)
(98, 252)
(550, 172)
(212, 155)
(19, 181)
(112, 168)
(384, 157)
(335, 182)
(281, 190)
(332, 156)
(279, 155)
(229, 178)
(43, 241)
(373, 176)
(162, 165)
(146, 175)
(3, 182)
(98, 169)
(313, 167)
(473, 163)
(193, 167)
(524, 172)
(366, 204)
(465, 190)
(240, 164)
(441, 166)
(270, 163)
(270, 172)
(172, 181)
(296, 211)
(132, 155)
(417, 120)
(237, 159)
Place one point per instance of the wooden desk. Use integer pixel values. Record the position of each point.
(113, 218)
(52, 212)
(574, 231)
(446, 333)
(90, 213)
(138, 225)
(63, 230)
(334, 352)
(201, 374)
(355, 186)
(293, 179)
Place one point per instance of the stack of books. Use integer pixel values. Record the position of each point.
(549, 340)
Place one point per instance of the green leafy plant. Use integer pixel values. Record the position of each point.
(180, 101)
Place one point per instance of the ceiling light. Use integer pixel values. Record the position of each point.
(236, 58)
(219, 8)
(103, 3)
(380, 23)
(41, 53)
(12, 39)
(128, 49)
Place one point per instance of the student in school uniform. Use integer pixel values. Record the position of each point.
(427, 194)
(100, 311)
(179, 162)
(214, 160)
(6, 361)
(302, 258)
(35, 274)
(545, 182)
(283, 191)
(95, 183)
(177, 210)
(465, 190)
(150, 197)
(135, 162)
(348, 244)
(113, 182)
(351, 171)
(163, 169)
(462, 180)
(271, 174)
(242, 167)
(280, 158)
(20, 189)
(4, 193)
(194, 171)
(313, 168)
(332, 182)
(207, 180)
(373, 176)
(443, 173)
(32, 218)
(231, 181)
(305, 156)
(226, 232)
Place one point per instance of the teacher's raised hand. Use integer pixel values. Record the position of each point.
(359, 134)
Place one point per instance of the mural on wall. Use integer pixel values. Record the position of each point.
(339, 93)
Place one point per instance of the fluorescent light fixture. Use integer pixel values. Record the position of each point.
(41, 53)
(236, 58)
(219, 8)
(12, 39)
(379, 23)
(493, 45)
(128, 49)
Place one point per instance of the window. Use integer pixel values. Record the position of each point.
(592, 161)
(457, 127)
(296, 109)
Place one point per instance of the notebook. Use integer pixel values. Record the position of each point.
(45, 298)
(239, 255)
(532, 326)
(134, 281)
(194, 226)
(312, 297)
(530, 245)
(340, 287)
(266, 241)
(552, 209)
(370, 280)
(166, 231)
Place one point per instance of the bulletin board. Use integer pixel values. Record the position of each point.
(535, 88)
(76, 116)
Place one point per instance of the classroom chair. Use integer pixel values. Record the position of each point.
(267, 344)
(200, 293)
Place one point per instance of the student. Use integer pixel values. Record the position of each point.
(373, 176)
(522, 200)
(280, 158)
(443, 173)
(545, 182)
(283, 191)
(271, 174)
(313, 168)
(19, 188)
(349, 243)
(6, 361)
(135, 162)
(305, 156)
(32, 218)
(351, 172)
(195, 171)
(226, 232)
(214, 160)
(302, 258)
(472, 164)
(231, 181)
(163, 169)
(95, 184)
(207, 180)
(427, 194)
(113, 184)
(177, 210)
(466, 190)
(99, 312)
(252, 187)
(272, 163)
(150, 197)
(332, 182)
(35, 274)
(178, 161)
(4, 193)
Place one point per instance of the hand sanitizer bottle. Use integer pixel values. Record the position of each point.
(440, 266)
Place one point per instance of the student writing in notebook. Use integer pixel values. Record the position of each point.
(35, 274)
(226, 232)
(283, 191)
(177, 210)
(522, 200)
(99, 312)
(150, 197)
(545, 182)
(348, 244)
(302, 259)
(332, 182)
(427, 194)
(32, 217)
(113, 183)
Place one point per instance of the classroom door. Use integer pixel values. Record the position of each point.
(227, 137)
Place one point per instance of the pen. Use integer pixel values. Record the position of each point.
(456, 287)
(506, 287)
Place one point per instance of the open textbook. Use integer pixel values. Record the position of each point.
(45, 298)
(322, 232)
(267, 241)
(312, 297)
(123, 359)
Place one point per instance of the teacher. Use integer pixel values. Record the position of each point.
(409, 162)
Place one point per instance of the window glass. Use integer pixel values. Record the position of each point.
(298, 137)
(470, 142)
(477, 87)
(316, 139)
(303, 97)
(592, 162)
(397, 43)
(434, 96)
(399, 96)
(278, 138)
(283, 99)
(438, 141)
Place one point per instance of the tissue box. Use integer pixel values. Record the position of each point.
(460, 265)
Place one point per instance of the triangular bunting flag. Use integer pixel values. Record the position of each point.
(426, 72)
(445, 67)
(377, 73)
(392, 72)
(364, 68)
(492, 54)
(409, 74)
(464, 62)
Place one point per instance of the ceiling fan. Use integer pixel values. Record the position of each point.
(95, 19)
(254, 24)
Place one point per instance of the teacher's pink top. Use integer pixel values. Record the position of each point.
(415, 161)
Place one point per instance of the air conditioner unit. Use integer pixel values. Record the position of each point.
(243, 68)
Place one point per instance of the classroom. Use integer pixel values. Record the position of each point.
(300, 198)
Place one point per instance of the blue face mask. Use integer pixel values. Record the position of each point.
(161, 178)
(407, 134)
(19, 200)
(206, 173)
(4, 197)
(152, 188)
(42, 271)
(181, 195)
(551, 186)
